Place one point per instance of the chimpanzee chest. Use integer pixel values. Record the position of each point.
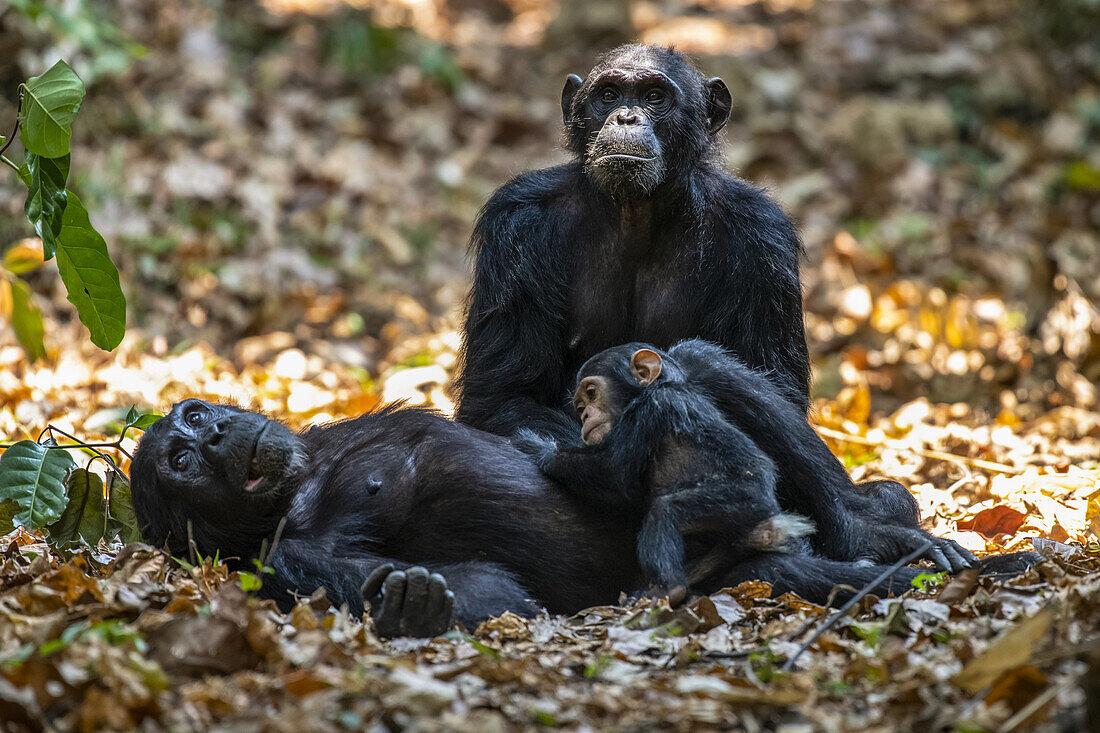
(626, 302)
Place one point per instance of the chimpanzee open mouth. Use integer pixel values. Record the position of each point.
(255, 475)
(262, 465)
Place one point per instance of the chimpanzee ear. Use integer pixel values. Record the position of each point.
(719, 104)
(572, 84)
(646, 365)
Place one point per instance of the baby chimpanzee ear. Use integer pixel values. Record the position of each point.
(646, 365)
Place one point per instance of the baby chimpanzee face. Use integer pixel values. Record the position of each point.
(604, 393)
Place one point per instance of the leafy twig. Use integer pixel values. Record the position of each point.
(51, 429)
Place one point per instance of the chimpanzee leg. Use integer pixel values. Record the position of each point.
(813, 578)
(812, 482)
(661, 550)
(734, 505)
(888, 501)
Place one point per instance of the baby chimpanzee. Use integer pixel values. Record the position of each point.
(657, 447)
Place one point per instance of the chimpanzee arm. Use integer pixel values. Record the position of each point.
(763, 322)
(611, 474)
(416, 601)
(511, 375)
(812, 481)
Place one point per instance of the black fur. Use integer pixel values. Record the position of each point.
(877, 522)
(398, 489)
(672, 457)
(757, 455)
(400, 486)
(568, 264)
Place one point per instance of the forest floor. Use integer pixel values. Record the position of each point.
(289, 218)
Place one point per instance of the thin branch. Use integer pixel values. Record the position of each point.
(10, 164)
(843, 610)
(274, 542)
(51, 429)
(1039, 701)
(14, 130)
(192, 548)
(938, 455)
(114, 445)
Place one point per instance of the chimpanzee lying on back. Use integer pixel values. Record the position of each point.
(655, 445)
(392, 489)
(396, 490)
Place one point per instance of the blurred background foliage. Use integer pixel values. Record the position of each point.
(287, 186)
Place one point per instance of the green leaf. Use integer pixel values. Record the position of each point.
(46, 198)
(85, 518)
(34, 478)
(90, 277)
(27, 321)
(135, 418)
(8, 510)
(50, 103)
(249, 582)
(120, 506)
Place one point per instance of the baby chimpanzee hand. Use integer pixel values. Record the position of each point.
(414, 602)
(537, 446)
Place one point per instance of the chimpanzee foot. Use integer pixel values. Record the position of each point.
(415, 602)
(1008, 565)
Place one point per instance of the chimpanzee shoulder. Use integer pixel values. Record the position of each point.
(747, 215)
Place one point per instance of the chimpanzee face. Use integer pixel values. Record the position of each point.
(626, 154)
(608, 382)
(213, 461)
(641, 113)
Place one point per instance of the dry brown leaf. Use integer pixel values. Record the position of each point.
(994, 521)
(1009, 651)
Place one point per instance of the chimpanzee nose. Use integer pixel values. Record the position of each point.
(214, 435)
(626, 116)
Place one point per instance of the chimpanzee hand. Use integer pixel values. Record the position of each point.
(886, 544)
(539, 447)
(414, 601)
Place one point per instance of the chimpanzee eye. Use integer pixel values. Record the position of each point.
(590, 393)
(180, 461)
(654, 96)
(609, 94)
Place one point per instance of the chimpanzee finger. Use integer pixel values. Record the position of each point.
(393, 596)
(954, 553)
(936, 555)
(416, 591)
(437, 590)
(970, 557)
(373, 583)
(448, 608)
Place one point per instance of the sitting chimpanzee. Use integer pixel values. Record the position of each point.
(655, 445)
(370, 503)
(643, 237)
